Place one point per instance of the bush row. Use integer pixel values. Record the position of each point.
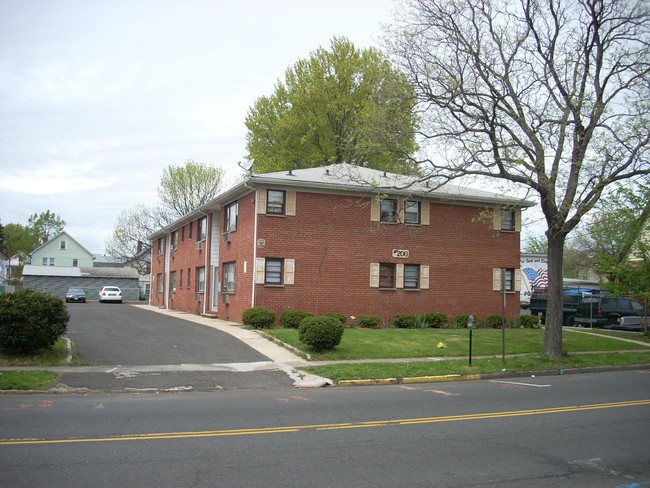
(260, 317)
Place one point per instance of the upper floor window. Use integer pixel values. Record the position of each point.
(191, 225)
(202, 228)
(507, 219)
(275, 202)
(63, 244)
(161, 241)
(411, 212)
(388, 209)
(230, 218)
(273, 271)
(174, 240)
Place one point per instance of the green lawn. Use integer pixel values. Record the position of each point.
(421, 343)
(34, 379)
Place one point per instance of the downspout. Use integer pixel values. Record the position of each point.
(168, 247)
(206, 271)
(254, 246)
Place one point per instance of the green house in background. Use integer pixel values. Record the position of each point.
(61, 250)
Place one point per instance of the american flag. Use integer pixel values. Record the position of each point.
(538, 278)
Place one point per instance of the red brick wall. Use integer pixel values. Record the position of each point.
(333, 242)
(186, 258)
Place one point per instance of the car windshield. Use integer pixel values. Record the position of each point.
(75, 290)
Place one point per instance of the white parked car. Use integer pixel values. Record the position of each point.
(110, 294)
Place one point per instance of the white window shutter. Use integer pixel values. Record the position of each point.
(517, 280)
(399, 275)
(496, 279)
(496, 218)
(517, 220)
(259, 270)
(374, 210)
(289, 271)
(261, 201)
(374, 275)
(425, 211)
(424, 277)
(290, 204)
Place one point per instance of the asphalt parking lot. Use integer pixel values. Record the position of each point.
(128, 348)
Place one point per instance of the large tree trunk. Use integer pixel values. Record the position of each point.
(554, 305)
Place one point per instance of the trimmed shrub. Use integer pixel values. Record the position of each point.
(321, 333)
(460, 322)
(30, 320)
(493, 322)
(291, 318)
(437, 320)
(258, 317)
(527, 322)
(341, 317)
(404, 321)
(369, 321)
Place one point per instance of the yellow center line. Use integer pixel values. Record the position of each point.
(320, 427)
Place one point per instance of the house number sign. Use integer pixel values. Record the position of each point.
(400, 253)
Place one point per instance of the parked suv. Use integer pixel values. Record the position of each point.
(598, 311)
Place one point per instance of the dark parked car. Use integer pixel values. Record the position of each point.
(75, 295)
(601, 311)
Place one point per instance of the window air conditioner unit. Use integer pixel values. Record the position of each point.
(226, 298)
(226, 237)
(199, 245)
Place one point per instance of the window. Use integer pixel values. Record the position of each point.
(273, 271)
(229, 277)
(200, 280)
(275, 202)
(507, 219)
(386, 275)
(182, 235)
(174, 240)
(160, 246)
(230, 218)
(63, 244)
(51, 261)
(388, 210)
(172, 280)
(180, 280)
(188, 277)
(412, 276)
(159, 283)
(201, 228)
(510, 279)
(44, 261)
(411, 212)
(191, 225)
(75, 262)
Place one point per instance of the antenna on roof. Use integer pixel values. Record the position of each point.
(290, 173)
(327, 171)
(384, 174)
(249, 170)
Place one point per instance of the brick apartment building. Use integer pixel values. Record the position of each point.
(343, 239)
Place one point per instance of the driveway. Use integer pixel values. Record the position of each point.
(130, 348)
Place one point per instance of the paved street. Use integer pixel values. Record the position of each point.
(588, 430)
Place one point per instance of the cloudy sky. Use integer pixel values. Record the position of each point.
(97, 96)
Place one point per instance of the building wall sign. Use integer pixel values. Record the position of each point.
(400, 253)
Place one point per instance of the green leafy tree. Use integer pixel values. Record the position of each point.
(185, 188)
(546, 96)
(182, 189)
(615, 239)
(340, 105)
(18, 242)
(46, 225)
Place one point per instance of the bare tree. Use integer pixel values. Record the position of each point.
(546, 95)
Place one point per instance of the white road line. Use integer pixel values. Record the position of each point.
(516, 383)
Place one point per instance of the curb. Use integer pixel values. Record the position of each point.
(487, 376)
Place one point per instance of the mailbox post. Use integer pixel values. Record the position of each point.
(470, 326)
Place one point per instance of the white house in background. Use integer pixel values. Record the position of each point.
(61, 250)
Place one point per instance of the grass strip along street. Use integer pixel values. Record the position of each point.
(366, 354)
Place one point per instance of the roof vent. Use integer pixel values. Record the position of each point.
(290, 173)
(327, 171)
(384, 174)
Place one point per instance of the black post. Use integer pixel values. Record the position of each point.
(470, 326)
